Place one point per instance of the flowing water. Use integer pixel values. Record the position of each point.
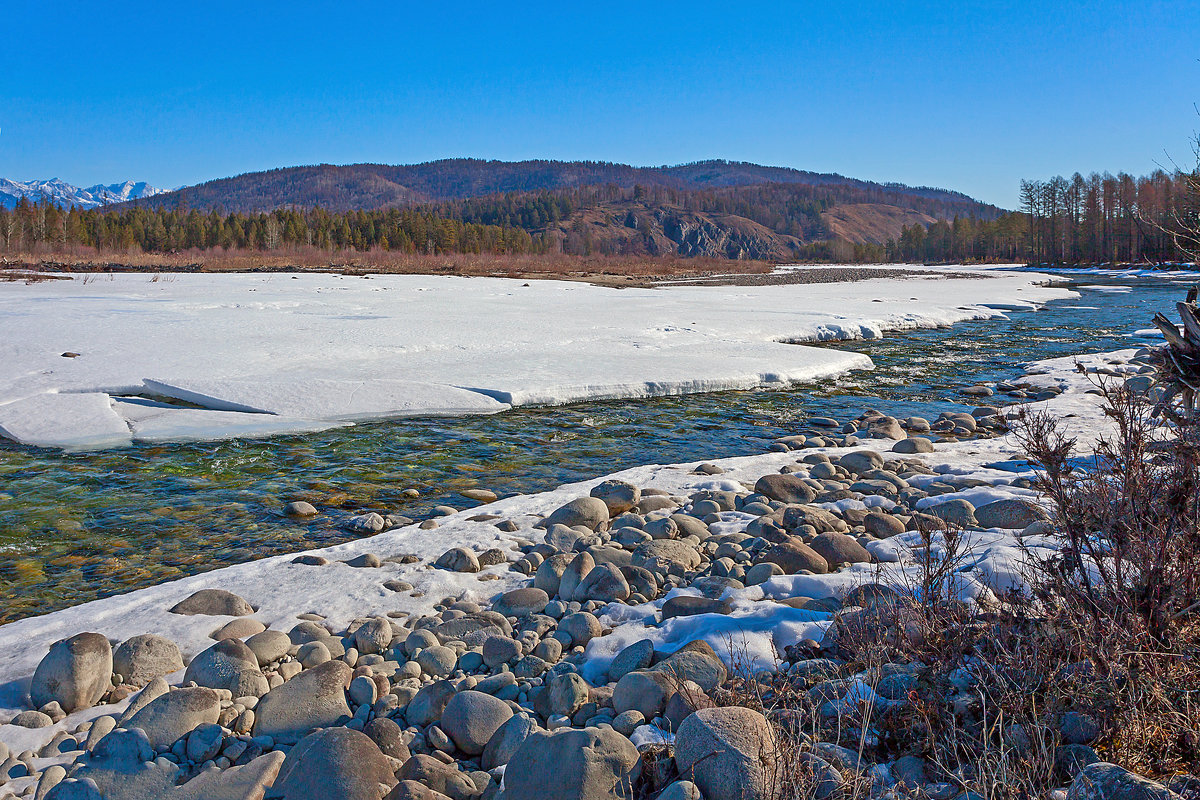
(78, 526)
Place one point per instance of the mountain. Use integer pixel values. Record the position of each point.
(65, 194)
(375, 186)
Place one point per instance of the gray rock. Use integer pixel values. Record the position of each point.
(590, 512)
(373, 636)
(228, 664)
(694, 662)
(269, 646)
(956, 512)
(794, 555)
(604, 583)
(566, 693)
(336, 762)
(1070, 759)
(687, 606)
(429, 703)
(499, 650)
(437, 661)
(364, 561)
(681, 790)
(141, 659)
(838, 549)
(581, 627)
(913, 444)
(204, 742)
(31, 720)
(1078, 728)
(1104, 781)
(433, 774)
(730, 753)
(458, 559)
(507, 739)
(388, 737)
(673, 550)
(636, 656)
(171, 715)
(644, 691)
(75, 789)
(471, 719)
(859, 461)
(313, 699)
(522, 602)
(785, 488)
(299, 508)
(1009, 513)
(75, 673)
(570, 764)
(617, 495)
(549, 574)
(238, 629)
(882, 526)
(573, 575)
(214, 602)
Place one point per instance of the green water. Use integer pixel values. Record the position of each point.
(75, 527)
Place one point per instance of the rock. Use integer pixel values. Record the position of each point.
(313, 699)
(644, 691)
(373, 636)
(75, 673)
(238, 629)
(762, 572)
(1070, 759)
(1009, 513)
(364, 561)
(785, 488)
(437, 661)
(414, 790)
(140, 659)
(636, 656)
(480, 495)
(521, 602)
(213, 602)
(427, 706)
(471, 718)
(169, 716)
(119, 768)
(695, 662)
(363, 691)
(857, 462)
(549, 573)
(956, 512)
(820, 519)
(881, 525)
(336, 762)
(686, 606)
(617, 495)
(75, 789)
(673, 550)
(730, 753)
(581, 627)
(311, 654)
(567, 692)
(913, 444)
(299, 508)
(228, 664)
(885, 428)
(31, 720)
(388, 737)
(573, 575)
(681, 790)
(794, 555)
(269, 646)
(838, 549)
(590, 512)
(1104, 781)
(1078, 728)
(365, 523)
(439, 777)
(245, 782)
(458, 559)
(604, 583)
(572, 764)
(204, 742)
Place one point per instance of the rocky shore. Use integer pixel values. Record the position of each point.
(635, 637)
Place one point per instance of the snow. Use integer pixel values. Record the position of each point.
(69, 421)
(751, 637)
(63, 193)
(320, 349)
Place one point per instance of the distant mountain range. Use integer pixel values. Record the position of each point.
(374, 186)
(65, 194)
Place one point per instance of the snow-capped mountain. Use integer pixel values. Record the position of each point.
(65, 194)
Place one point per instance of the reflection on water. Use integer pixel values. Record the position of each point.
(74, 527)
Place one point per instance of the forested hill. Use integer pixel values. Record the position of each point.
(378, 186)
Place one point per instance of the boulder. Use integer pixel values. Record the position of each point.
(730, 753)
(645, 691)
(785, 488)
(228, 664)
(861, 461)
(429, 703)
(697, 662)
(458, 559)
(617, 495)
(913, 444)
(793, 555)
(373, 636)
(315, 698)
(838, 549)
(687, 606)
(573, 575)
(604, 583)
(549, 574)
(636, 656)
(471, 718)
(335, 762)
(1104, 781)
(507, 739)
(388, 737)
(522, 602)
(269, 646)
(573, 764)
(955, 512)
(214, 602)
(590, 512)
(140, 659)
(169, 716)
(673, 550)
(1010, 513)
(433, 774)
(75, 673)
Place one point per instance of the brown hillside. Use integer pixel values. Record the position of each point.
(871, 223)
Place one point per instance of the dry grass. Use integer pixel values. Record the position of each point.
(616, 270)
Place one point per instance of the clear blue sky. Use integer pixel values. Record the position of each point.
(965, 95)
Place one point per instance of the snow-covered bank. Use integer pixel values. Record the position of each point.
(280, 589)
(270, 354)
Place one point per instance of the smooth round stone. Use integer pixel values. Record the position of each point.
(437, 661)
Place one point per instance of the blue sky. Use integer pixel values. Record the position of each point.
(969, 96)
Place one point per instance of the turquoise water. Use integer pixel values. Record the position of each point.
(75, 527)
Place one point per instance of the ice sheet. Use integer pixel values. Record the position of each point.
(68, 421)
